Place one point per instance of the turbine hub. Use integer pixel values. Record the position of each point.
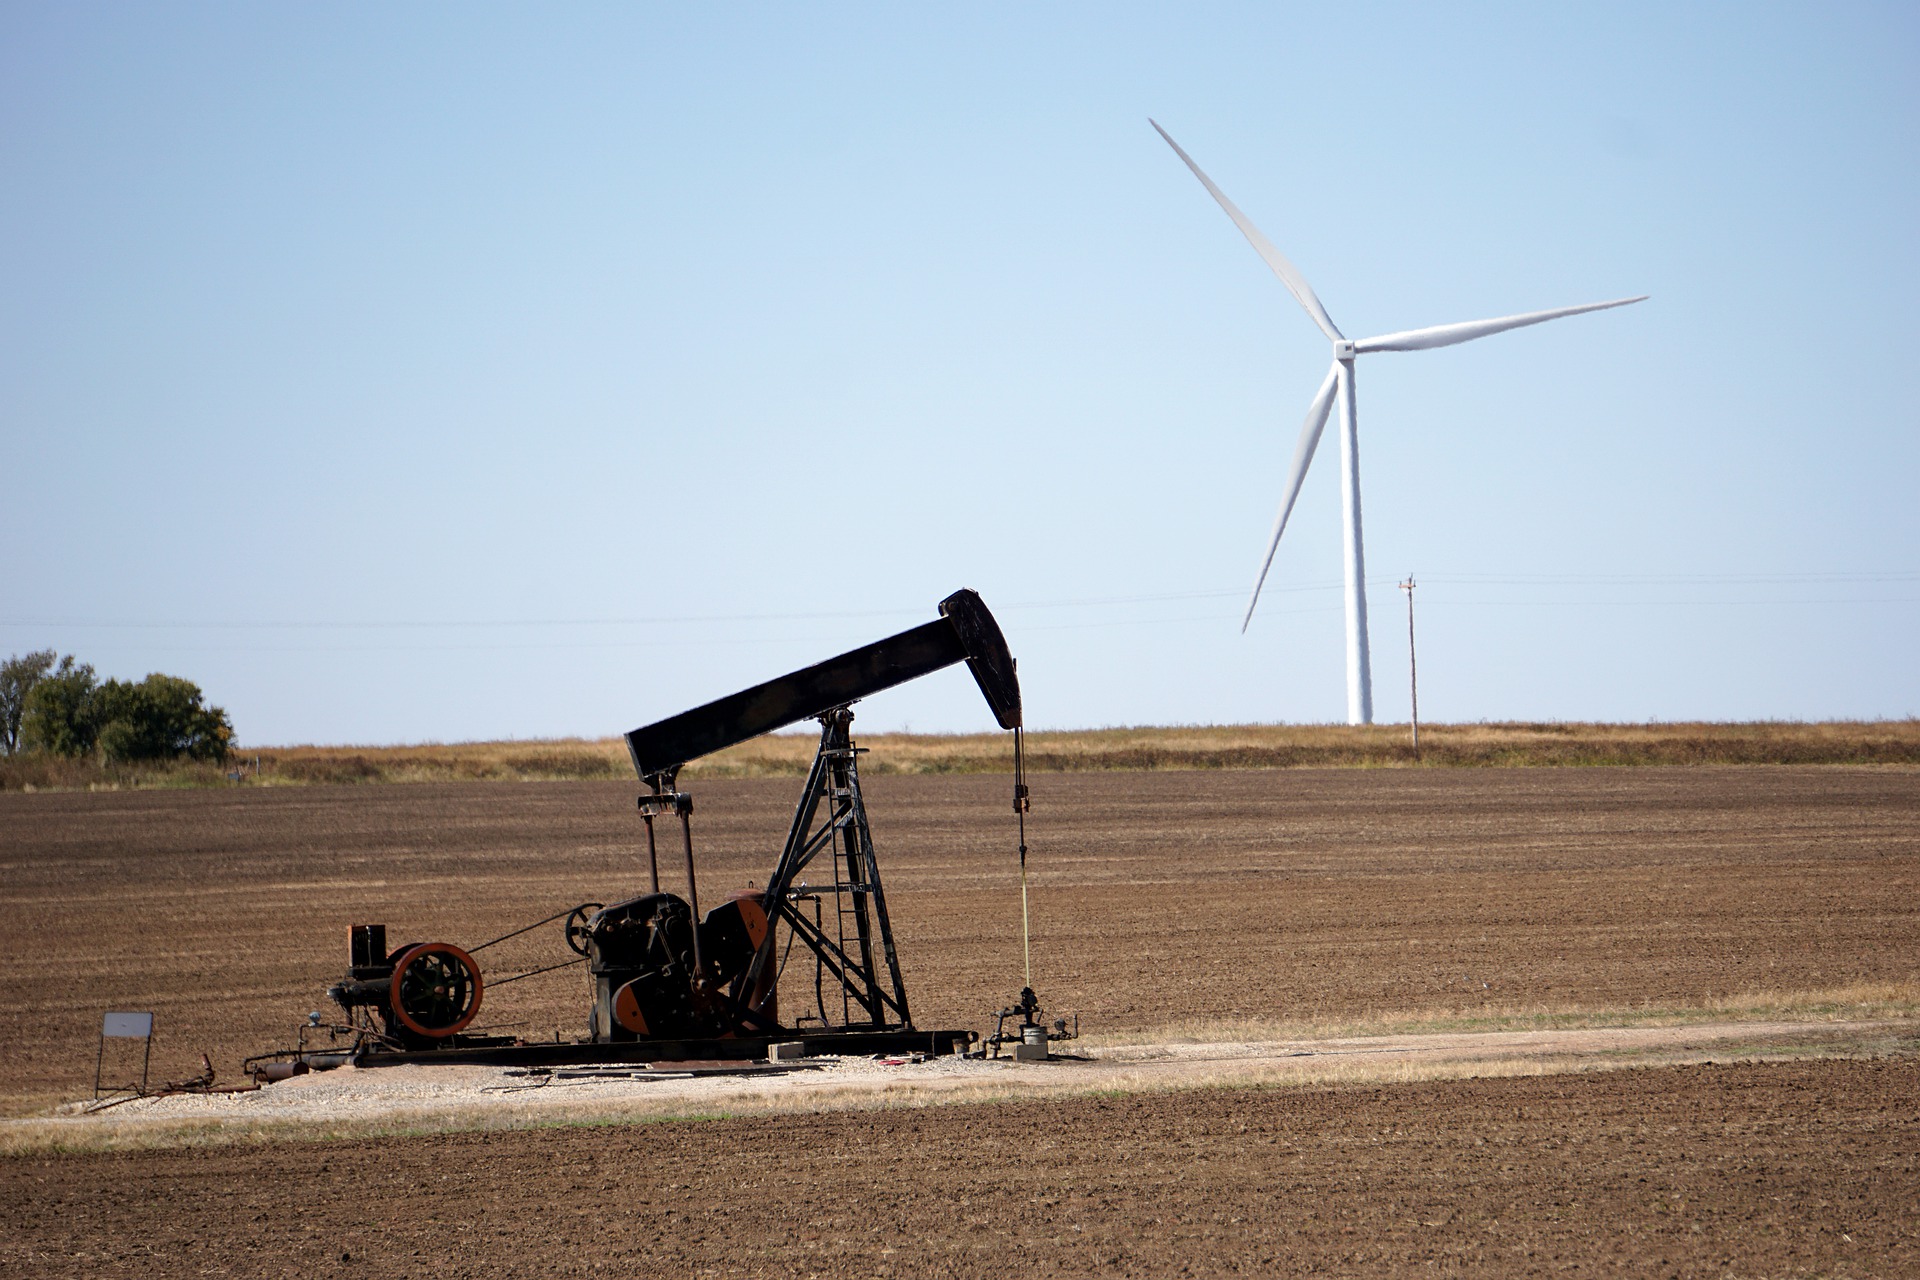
(1343, 349)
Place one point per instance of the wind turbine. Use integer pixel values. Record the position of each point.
(1339, 386)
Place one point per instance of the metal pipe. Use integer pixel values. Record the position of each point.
(653, 854)
(683, 805)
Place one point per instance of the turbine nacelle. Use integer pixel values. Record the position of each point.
(1344, 350)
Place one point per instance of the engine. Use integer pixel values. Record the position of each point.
(425, 993)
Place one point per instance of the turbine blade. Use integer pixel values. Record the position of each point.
(1446, 335)
(1302, 455)
(1289, 274)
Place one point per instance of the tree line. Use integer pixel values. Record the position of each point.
(59, 706)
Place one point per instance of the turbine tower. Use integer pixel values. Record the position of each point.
(1339, 386)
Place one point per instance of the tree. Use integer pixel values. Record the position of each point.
(161, 718)
(71, 713)
(59, 716)
(18, 675)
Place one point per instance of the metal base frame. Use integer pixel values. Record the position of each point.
(745, 1048)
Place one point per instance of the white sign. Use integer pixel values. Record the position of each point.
(132, 1026)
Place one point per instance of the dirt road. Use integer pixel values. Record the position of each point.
(372, 1101)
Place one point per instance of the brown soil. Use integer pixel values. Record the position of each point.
(1158, 898)
(1776, 1170)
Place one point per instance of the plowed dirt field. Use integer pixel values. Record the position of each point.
(1783, 1169)
(1202, 902)
(1159, 899)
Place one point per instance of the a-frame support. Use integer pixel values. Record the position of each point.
(850, 920)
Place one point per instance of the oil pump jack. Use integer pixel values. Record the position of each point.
(656, 974)
(669, 983)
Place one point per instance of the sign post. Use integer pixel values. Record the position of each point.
(124, 1026)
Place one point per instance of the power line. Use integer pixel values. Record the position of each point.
(1668, 579)
(425, 624)
(1096, 602)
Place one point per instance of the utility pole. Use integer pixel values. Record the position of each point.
(1413, 667)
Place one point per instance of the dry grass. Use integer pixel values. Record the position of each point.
(56, 773)
(1867, 1002)
(1275, 746)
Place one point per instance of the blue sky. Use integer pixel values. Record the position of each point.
(471, 372)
